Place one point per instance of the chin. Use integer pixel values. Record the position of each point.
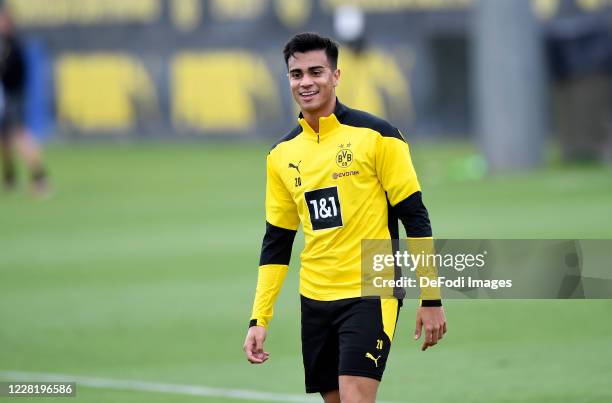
(311, 106)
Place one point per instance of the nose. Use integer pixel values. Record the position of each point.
(306, 81)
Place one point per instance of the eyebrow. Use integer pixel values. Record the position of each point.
(309, 69)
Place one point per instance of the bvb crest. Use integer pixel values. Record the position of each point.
(344, 158)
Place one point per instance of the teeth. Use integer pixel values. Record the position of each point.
(308, 93)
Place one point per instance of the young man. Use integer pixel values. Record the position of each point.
(345, 175)
(13, 132)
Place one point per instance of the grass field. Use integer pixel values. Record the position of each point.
(142, 266)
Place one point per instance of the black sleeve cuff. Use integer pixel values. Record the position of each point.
(252, 323)
(413, 214)
(431, 302)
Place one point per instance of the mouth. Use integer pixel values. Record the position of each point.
(308, 95)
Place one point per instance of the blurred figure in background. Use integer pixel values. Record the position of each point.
(579, 51)
(14, 135)
(372, 80)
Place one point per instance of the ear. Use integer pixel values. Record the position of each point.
(336, 77)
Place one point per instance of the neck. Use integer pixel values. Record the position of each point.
(313, 117)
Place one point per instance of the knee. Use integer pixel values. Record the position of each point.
(358, 390)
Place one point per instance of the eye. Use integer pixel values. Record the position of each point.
(295, 74)
(317, 73)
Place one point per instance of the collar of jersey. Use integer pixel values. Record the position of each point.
(327, 124)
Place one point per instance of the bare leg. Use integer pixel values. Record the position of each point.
(8, 163)
(28, 148)
(30, 151)
(331, 396)
(358, 389)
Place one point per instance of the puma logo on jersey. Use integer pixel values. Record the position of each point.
(371, 357)
(296, 167)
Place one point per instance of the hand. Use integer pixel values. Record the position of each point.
(253, 345)
(434, 322)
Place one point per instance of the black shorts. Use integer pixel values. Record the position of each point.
(346, 337)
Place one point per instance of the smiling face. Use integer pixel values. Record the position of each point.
(313, 82)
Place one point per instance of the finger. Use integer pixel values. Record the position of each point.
(246, 346)
(431, 337)
(249, 349)
(253, 358)
(262, 354)
(258, 350)
(417, 329)
(261, 357)
(250, 354)
(426, 339)
(424, 346)
(445, 327)
(440, 332)
(248, 343)
(259, 342)
(434, 336)
(431, 334)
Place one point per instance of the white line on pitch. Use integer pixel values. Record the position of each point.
(146, 386)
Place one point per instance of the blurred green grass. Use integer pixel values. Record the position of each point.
(143, 265)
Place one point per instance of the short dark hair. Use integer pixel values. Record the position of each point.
(308, 41)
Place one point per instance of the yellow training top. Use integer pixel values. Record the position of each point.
(350, 181)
